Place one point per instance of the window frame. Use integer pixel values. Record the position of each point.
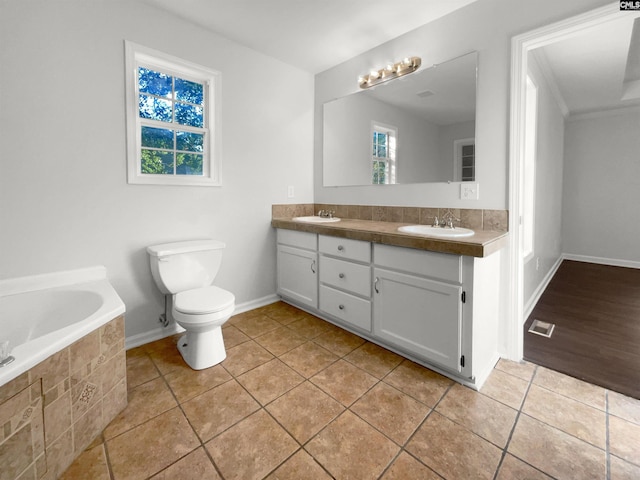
(141, 56)
(390, 161)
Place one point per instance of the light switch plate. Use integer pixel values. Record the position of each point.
(469, 191)
(290, 191)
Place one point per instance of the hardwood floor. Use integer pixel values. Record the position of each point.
(596, 312)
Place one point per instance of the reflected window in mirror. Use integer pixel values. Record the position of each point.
(383, 154)
(464, 160)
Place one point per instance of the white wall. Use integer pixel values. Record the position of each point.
(486, 27)
(602, 186)
(63, 191)
(547, 241)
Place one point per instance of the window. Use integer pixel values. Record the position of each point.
(172, 120)
(464, 160)
(383, 154)
(529, 169)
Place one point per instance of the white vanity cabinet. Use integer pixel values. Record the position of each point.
(418, 302)
(297, 267)
(345, 280)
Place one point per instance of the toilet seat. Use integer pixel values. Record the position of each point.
(202, 301)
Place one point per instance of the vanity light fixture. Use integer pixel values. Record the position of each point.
(408, 65)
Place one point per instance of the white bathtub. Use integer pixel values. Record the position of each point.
(42, 314)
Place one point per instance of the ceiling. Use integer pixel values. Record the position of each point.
(313, 35)
(590, 69)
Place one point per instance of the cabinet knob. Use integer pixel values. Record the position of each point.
(341, 275)
(341, 307)
(340, 248)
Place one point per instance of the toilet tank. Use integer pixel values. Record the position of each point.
(181, 266)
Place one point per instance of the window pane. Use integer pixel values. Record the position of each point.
(192, 142)
(189, 115)
(188, 164)
(154, 108)
(157, 162)
(189, 91)
(157, 137)
(156, 83)
(382, 152)
(467, 150)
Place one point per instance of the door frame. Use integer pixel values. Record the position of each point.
(520, 47)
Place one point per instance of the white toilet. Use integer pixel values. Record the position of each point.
(186, 270)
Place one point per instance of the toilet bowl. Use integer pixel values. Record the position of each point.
(186, 270)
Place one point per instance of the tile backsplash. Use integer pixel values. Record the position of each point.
(476, 219)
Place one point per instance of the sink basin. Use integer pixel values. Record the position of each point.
(440, 232)
(316, 219)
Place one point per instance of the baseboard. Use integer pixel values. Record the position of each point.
(614, 262)
(530, 305)
(173, 328)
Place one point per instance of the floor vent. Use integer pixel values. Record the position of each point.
(541, 328)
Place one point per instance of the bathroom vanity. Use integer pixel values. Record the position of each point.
(431, 300)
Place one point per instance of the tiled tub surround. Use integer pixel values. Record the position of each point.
(379, 224)
(68, 379)
(51, 413)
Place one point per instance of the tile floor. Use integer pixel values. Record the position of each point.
(298, 398)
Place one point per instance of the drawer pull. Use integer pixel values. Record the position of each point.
(375, 285)
(341, 275)
(313, 264)
(341, 307)
(340, 248)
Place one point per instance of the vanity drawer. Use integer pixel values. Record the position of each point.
(306, 240)
(346, 307)
(357, 250)
(349, 276)
(444, 266)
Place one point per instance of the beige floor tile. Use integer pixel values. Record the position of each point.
(304, 411)
(482, 415)
(339, 341)
(344, 381)
(350, 448)
(299, 466)
(195, 466)
(570, 416)
(624, 439)
(145, 402)
(373, 359)
(621, 470)
(165, 354)
(269, 381)
(394, 413)
(256, 325)
(505, 388)
(233, 337)
(141, 452)
(627, 408)
(421, 383)
(282, 312)
(554, 452)
(252, 448)
(406, 467)
(523, 370)
(570, 387)
(244, 357)
(140, 368)
(187, 383)
(453, 451)
(513, 468)
(309, 326)
(218, 409)
(91, 463)
(308, 359)
(281, 340)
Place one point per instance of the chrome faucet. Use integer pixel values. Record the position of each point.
(326, 213)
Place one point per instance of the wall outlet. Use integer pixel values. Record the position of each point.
(469, 191)
(290, 191)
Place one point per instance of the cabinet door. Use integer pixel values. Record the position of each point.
(297, 275)
(420, 315)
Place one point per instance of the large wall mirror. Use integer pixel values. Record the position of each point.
(415, 129)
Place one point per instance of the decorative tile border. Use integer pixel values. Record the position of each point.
(476, 219)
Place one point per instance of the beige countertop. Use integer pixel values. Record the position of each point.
(482, 244)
